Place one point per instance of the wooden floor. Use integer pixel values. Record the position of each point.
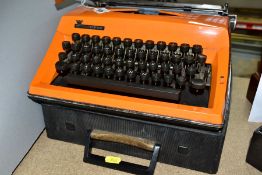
(52, 157)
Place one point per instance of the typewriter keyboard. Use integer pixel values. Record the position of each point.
(149, 69)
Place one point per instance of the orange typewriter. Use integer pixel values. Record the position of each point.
(147, 73)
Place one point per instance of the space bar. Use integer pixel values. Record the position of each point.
(123, 87)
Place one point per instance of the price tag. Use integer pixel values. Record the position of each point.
(112, 159)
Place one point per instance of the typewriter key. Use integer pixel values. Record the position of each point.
(168, 79)
(201, 58)
(165, 67)
(130, 63)
(127, 42)
(138, 43)
(95, 39)
(130, 53)
(107, 60)
(61, 67)
(120, 73)
(116, 41)
(109, 72)
(197, 49)
(75, 67)
(66, 46)
(76, 47)
(85, 38)
(150, 44)
(86, 69)
(106, 40)
(62, 56)
(76, 37)
(161, 45)
(176, 58)
(184, 48)
(172, 47)
(144, 77)
(98, 71)
(131, 75)
(156, 77)
(153, 66)
(119, 51)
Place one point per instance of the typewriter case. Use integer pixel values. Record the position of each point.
(189, 136)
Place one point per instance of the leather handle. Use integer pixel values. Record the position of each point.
(124, 139)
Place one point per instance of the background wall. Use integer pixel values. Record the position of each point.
(26, 29)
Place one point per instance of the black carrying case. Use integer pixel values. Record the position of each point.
(182, 144)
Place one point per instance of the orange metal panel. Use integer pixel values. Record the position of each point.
(209, 31)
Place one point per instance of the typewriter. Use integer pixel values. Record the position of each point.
(153, 70)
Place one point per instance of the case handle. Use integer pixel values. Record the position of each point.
(123, 139)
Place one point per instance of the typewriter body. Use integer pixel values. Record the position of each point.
(157, 73)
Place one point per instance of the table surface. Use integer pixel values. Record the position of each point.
(52, 157)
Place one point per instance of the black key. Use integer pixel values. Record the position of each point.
(153, 66)
(172, 47)
(164, 56)
(131, 75)
(62, 56)
(119, 62)
(85, 38)
(61, 67)
(109, 72)
(119, 51)
(198, 84)
(197, 49)
(130, 53)
(141, 55)
(120, 73)
(108, 60)
(107, 50)
(150, 44)
(177, 68)
(86, 58)
(201, 58)
(130, 63)
(165, 67)
(161, 45)
(86, 69)
(75, 57)
(168, 79)
(75, 68)
(127, 42)
(176, 58)
(86, 48)
(189, 59)
(76, 47)
(144, 77)
(184, 48)
(181, 80)
(95, 39)
(191, 70)
(98, 70)
(116, 41)
(138, 43)
(97, 49)
(142, 65)
(156, 77)
(152, 55)
(76, 37)
(106, 40)
(66, 46)
(96, 59)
